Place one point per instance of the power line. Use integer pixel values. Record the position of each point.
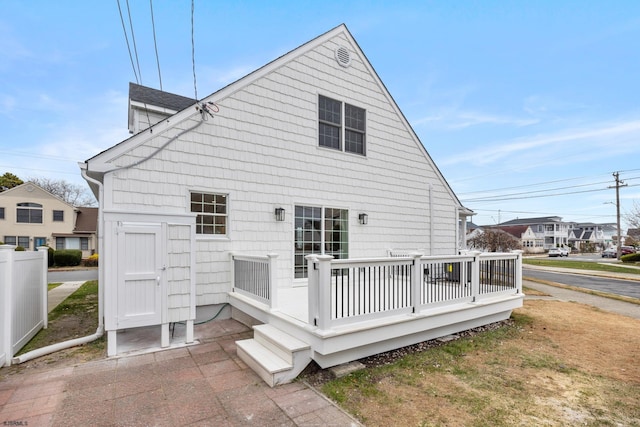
(193, 52)
(124, 29)
(155, 43)
(133, 38)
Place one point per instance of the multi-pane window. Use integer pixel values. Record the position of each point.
(58, 215)
(23, 241)
(212, 213)
(319, 231)
(10, 240)
(30, 213)
(354, 119)
(1, 213)
(330, 116)
(332, 130)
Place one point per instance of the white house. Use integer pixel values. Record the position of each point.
(304, 159)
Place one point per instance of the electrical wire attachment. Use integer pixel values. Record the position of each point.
(207, 108)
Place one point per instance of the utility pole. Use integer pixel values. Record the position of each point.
(619, 184)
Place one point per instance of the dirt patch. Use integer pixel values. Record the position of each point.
(555, 364)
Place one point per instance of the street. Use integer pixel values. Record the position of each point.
(628, 288)
(72, 275)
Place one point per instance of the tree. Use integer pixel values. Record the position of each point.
(633, 217)
(494, 240)
(9, 180)
(73, 194)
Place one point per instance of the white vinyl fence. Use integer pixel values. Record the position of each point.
(23, 298)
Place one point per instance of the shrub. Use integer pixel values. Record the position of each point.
(630, 257)
(67, 257)
(50, 251)
(20, 249)
(92, 261)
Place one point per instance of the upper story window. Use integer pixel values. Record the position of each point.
(212, 213)
(30, 213)
(333, 130)
(58, 215)
(1, 213)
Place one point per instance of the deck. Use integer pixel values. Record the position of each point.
(356, 308)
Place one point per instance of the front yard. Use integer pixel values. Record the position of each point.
(554, 363)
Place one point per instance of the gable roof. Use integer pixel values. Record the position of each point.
(529, 221)
(97, 165)
(86, 220)
(158, 98)
(514, 230)
(30, 187)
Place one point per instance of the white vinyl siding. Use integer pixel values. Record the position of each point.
(262, 150)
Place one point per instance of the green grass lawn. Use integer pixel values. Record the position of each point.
(581, 265)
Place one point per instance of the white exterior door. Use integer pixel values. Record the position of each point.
(139, 275)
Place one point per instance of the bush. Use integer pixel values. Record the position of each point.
(67, 257)
(92, 261)
(20, 249)
(50, 251)
(630, 257)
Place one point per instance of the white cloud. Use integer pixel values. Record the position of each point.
(599, 140)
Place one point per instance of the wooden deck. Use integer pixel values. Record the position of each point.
(352, 312)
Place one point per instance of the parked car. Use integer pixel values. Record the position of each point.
(553, 252)
(610, 253)
(625, 250)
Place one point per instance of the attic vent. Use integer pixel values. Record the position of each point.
(343, 56)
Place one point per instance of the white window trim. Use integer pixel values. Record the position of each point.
(217, 237)
(343, 126)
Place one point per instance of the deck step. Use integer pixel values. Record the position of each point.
(281, 343)
(275, 356)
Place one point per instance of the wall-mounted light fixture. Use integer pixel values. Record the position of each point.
(279, 214)
(363, 218)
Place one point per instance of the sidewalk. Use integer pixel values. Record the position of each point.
(205, 384)
(58, 294)
(603, 303)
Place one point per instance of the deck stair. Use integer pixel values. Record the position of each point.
(275, 356)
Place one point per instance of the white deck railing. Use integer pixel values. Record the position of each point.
(23, 298)
(347, 291)
(350, 291)
(254, 276)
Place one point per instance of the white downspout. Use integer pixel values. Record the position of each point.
(431, 227)
(100, 331)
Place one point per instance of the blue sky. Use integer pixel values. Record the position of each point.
(527, 108)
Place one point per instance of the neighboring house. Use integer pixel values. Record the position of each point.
(552, 231)
(529, 242)
(31, 216)
(634, 234)
(83, 235)
(306, 157)
(587, 236)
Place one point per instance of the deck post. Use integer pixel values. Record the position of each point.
(324, 291)
(273, 281)
(519, 253)
(232, 270)
(416, 281)
(475, 275)
(312, 289)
